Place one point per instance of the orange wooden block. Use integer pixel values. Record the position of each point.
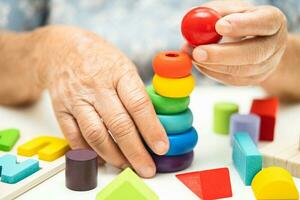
(208, 184)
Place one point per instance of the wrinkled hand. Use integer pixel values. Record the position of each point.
(259, 39)
(100, 101)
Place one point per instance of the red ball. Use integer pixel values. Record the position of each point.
(198, 26)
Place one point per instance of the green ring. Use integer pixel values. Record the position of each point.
(166, 105)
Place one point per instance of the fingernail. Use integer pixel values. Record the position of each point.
(224, 26)
(160, 147)
(147, 171)
(200, 54)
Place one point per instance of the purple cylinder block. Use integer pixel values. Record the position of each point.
(166, 164)
(81, 169)
(249, 123)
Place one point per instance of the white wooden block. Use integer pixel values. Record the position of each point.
(299, 143)
(293, 165)
(281, 159)
(271, 152)
(48, 169)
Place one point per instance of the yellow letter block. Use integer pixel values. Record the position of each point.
(274, 183)
(173, 87)
(48, 148)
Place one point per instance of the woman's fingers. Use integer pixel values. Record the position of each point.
(259, 21)
(97, 136)
(228, 7)
(124, 132)
(233, 80)
(249, 51)
(132, 93)
(245, 70)
(71, 130)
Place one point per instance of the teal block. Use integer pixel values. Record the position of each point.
(8, 138)
(12, 172)
(246, 157)
(177, 123)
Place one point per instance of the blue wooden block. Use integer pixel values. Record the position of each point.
(177, 123)
(182, 143)
(249, 123)
(13, 172)
(246, 157)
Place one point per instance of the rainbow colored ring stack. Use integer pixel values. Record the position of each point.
(169, 93)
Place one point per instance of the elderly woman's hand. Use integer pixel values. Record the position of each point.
(99, 99)
(260, 37)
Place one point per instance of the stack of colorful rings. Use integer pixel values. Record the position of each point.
(169, 93)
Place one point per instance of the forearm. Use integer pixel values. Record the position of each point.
(284, 82)
(17, 69)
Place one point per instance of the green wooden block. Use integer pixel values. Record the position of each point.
(166, 105)
(222, 114)
(8, 138)
(127, 185)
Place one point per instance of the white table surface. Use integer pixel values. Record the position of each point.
(212, 150)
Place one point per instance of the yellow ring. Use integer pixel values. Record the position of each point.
(173, 87)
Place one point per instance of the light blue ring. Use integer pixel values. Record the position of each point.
(177, 123)
(182, 143)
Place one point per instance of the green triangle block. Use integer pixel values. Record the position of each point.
(127, 185)
(8, 139)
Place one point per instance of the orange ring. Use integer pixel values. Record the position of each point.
(172, 64)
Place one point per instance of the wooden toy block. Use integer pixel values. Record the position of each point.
(245, 123)
(270, 151)
(172, 64)
(81, 169)
(167, 164)
(177, 123)
(281, 158)
(166, 105)
(299, 144)
(208, 184)
(13, 172)
(174, 88)
(222, 114)
(274, 183)
(48, 148)
(293, 165)
(182, 143)
(46, 170)
(8, 139)
(267, 110)
(282, 154)
(246, 157)
(127, 185)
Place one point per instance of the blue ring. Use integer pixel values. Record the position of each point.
(177, 123)
(182, 143)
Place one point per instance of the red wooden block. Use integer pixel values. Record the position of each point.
(267, 110)
(208, 184)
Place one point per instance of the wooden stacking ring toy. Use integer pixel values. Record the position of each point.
(182, 143)
(178, 123)
(174, 88)
(166, 105)
(172, 64)
(166, 164)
